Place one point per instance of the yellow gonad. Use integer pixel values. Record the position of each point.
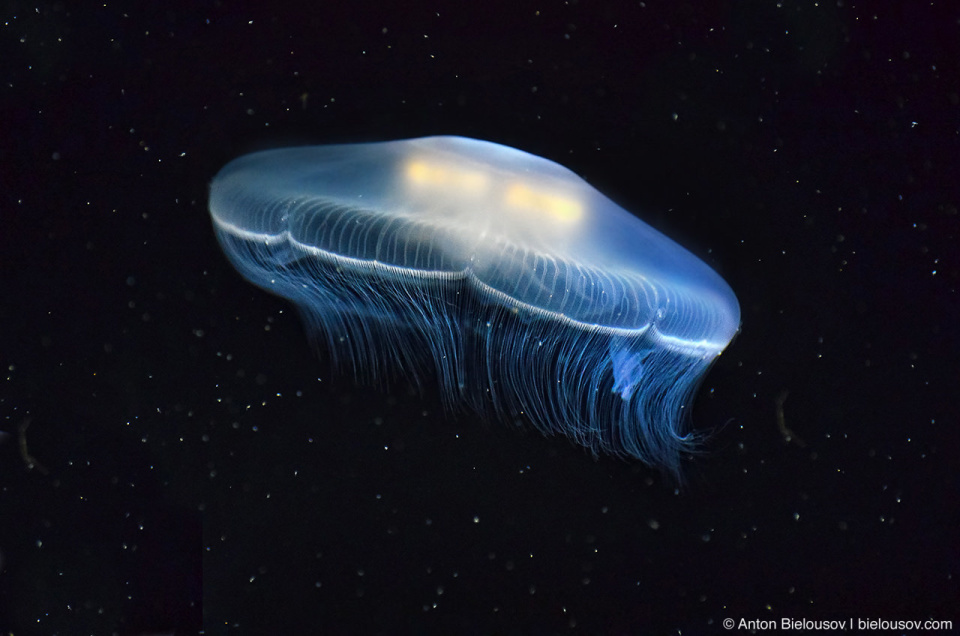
(517, 196)
(559, 208)
(450, 178)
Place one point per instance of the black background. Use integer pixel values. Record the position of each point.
(201, 467)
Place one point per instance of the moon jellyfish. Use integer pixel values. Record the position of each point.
(522, 290)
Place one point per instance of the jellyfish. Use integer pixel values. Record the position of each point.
(503, 277)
